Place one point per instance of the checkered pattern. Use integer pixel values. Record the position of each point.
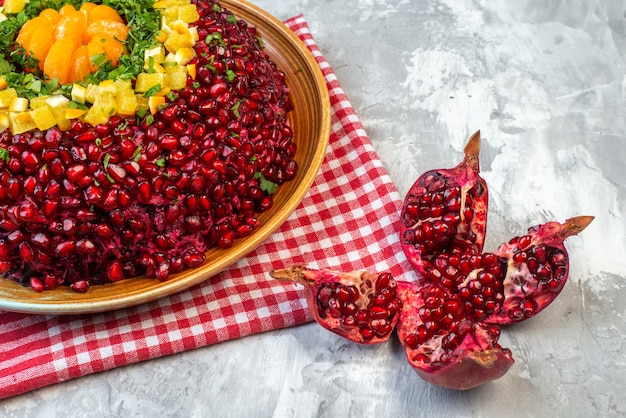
(347, 221)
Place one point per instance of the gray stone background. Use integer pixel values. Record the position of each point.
(545, 83)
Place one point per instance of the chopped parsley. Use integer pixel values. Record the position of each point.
(235, 107)
(76, 105)
(266, 185)
(4, 154)
(149, 119)
(105, 161)
(152, 90)
(137, 154)
(215, 37)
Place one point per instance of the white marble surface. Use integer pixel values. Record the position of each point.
(545, 82)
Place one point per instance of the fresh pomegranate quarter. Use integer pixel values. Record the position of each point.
(358, 305)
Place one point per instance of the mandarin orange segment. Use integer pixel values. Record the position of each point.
(27, 30)
(103, 11)
(57, 63)
(40, 43)
(71, 26)
(113, 49)
(67, 10)
(50, 15)
(106, 45)
(86, 8)
(80, 65)
(105, 26)
(95, 47)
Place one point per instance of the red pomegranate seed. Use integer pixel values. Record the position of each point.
(36, 284)
(114, 271)
(65, 248)
(168, 142)
(193, 259)
(81, 286)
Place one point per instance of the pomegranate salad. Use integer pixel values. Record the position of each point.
(134, 136)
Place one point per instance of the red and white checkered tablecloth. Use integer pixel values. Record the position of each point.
(347, 221)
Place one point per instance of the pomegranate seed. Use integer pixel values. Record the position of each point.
(81, 286)
(4, 250)
(114, 271)
(163, 271)
(116, 172)
(26, 252)
(179, 127)
(30, 159)
(85, 246)
(65, 248)
(168, 142)
(89, 136)
(193, 259)
(36, 284)
(170, 113)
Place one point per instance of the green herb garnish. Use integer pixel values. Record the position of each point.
(215, 37)
(105, 161)
(4, 154)
(235, 107)
(152, 90)
(137, 154)
(266, 185)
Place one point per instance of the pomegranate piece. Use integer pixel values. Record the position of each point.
(358, 305)
(444, 346)
(445, 211)
(538, 266)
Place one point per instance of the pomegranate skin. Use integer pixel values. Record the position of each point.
(360, 306)
(445, 210)
(472, 369)
(453, 351)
